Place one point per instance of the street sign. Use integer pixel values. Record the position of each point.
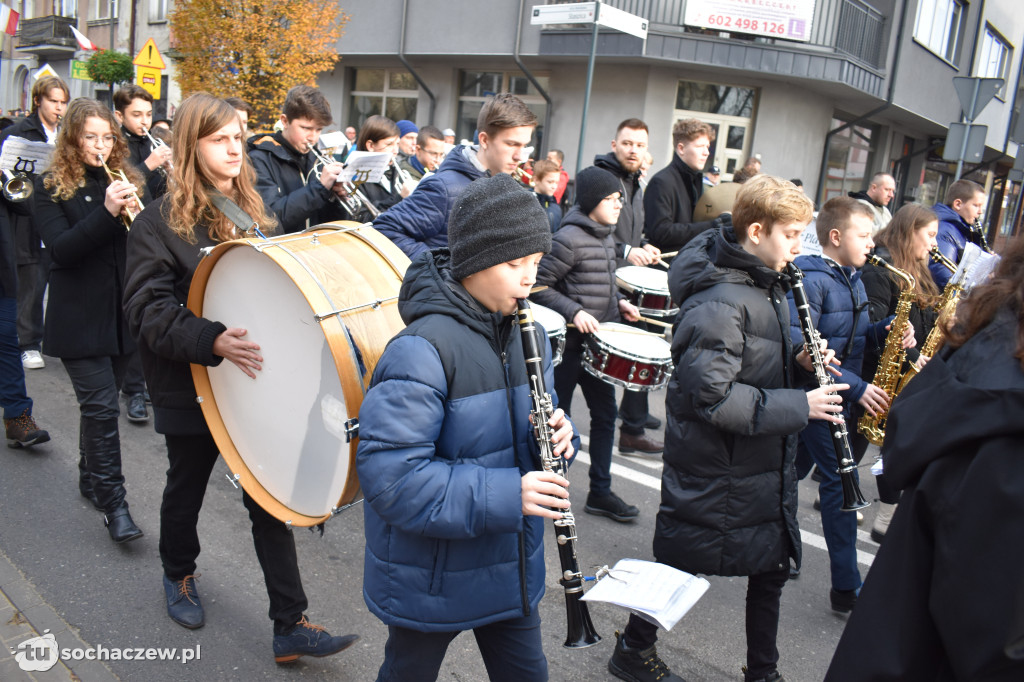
(44, 70)
(149, 56)
(975, 147)
(975, 93)
(573, 13)
(613, 17)
(149, 79)
(79, 71)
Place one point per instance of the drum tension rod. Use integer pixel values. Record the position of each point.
(351, 429)
(337, 510)
(320, 317)
(232, 479)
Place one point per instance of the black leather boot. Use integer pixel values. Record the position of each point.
(102, 445)
(84, 477)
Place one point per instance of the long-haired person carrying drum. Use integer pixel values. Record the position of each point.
(209, 163)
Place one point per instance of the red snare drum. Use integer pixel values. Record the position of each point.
(647, 289)
(627, 357)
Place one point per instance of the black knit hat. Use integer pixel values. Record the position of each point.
(593, 184)
(495, 220)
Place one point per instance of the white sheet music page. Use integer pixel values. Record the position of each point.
(654, 591)
(24, 156)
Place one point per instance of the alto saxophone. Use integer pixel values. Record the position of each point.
(947, 308)
(888, 374)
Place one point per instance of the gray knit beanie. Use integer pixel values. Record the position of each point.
(495, 220)
(593, 184)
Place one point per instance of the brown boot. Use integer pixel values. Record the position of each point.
(22, 431)
(642, 444)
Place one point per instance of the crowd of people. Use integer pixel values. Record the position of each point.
(456, 499)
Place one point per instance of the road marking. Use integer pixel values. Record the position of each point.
(654, 483)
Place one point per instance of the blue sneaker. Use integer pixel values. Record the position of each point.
(183, 604)
(309, 640)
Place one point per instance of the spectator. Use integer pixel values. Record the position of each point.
(545, 180)
(712, 177)
(558, 157)
(877, 196)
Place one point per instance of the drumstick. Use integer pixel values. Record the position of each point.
(628, 331)
(536, 289)
(659, 323)
(669, 254)
(661, 263)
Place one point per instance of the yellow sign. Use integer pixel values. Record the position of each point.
(149, 56)
(79, 71)
(44, 70)
(149, 79)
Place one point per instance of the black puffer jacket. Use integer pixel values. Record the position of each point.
(629, 231)
(668, 206)
(281, 173)
(84, 317)
(139, 148)
(729, 487)
(580, 270)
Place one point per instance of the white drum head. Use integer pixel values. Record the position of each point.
(553, 323)
(648, 279)
(634, 342)
(298, 388)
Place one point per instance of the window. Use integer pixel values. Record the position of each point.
(387, 92)
(103, 9)
(66, 8)
(850, 155)
(938, 27)
(709, 98)
(476, 86)
(994, 58)
(157, 11)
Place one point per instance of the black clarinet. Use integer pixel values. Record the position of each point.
(581, 631)
(853, 499)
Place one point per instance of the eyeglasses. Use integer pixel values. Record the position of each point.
(106, 140)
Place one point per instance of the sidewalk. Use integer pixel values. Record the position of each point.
(23, 616)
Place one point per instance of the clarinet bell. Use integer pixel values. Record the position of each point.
(853, 498)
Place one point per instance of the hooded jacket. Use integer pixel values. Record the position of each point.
(881, 214)
(580, 270)
(629, 230)
(945, 597)
(729, 486)
(953, 236)
(444, 441)
(668, 206)
(281, 173)
(419, 222)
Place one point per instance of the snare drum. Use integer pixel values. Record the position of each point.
(647, 289)
(321, 304)
(627, 357)
(554, 325)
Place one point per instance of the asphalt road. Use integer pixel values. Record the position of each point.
(112, 595)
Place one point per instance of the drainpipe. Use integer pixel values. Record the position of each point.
(408, 66)
(542, 153)
(823, 172)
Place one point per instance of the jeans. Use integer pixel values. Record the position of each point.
(13, 394)
(511, 650)
(839, 527)
(764, 595)
(600, 397)
(191, 459)
(32, 279)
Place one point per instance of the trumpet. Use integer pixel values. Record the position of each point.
(154, 144)
(127, 214)
(17, 186)
(356, 200)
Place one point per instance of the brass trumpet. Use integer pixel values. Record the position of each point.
(17, 186)
(127, 214)
(356, 200)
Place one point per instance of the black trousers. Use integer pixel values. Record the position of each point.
(32, 278)
(191, 463)
(764, 595)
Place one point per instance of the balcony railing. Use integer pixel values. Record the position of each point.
(51, 30)
(850, 27)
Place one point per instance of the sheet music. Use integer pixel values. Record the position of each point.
(659, 593)
(975, 266)
(363, 167)
(23, 156)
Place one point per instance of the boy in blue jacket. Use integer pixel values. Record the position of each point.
(447, 459)
(839, 312)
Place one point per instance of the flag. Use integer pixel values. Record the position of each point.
(83, 42)
(8, 20)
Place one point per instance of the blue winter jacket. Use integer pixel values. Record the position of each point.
(420, 221)
(836, 296)
(444, 441)
(954, 234)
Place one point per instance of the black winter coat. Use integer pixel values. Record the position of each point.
(170, 336)
(580, 270)
(139, 148)
(84, 317)
(629, 230)
(25, 236)
(668, 206)
(883, 292)
(729, 486)
(945, 594)
(281, 174)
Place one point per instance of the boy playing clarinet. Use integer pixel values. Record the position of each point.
(455, 501)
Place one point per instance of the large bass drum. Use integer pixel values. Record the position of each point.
(321, 304)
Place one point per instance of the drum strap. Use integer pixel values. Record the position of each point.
(233, 212)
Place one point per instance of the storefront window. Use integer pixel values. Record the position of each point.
(476, 86)
(850, 155)
(392, 93)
